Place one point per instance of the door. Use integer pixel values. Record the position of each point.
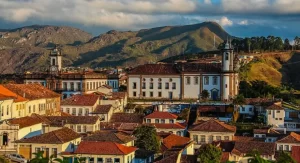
(5, 139)
(25, 150)
(214, 95)
(170, 95)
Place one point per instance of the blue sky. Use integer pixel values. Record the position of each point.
(239, 17)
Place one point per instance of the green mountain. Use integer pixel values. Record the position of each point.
(25, 49)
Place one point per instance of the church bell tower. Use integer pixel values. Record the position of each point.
(55, 60)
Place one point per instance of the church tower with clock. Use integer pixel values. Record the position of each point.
(55, 60)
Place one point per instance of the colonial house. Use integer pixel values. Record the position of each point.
(86, 124)
(40, 99)
(80, 105)
(70, 83)
(211, 130)
(111, 136)
(275, 116)
(186, 80)
(104, 112)
(52, 143)
(18, 128)
(104, 152)
(286, 142)
(11, 104)
(267, 134)
(291, 119)
(172, 141)
(165, 122)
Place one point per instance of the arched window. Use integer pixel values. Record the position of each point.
(53, 61)
(226, 56)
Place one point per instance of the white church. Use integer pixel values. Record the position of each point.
(186, 80)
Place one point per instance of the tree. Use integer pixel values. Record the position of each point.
(204, 94)
(185, 114)
(39, 158)
(285, 157)
(146, 138)
(123, 88)
(58, 160)
(287, 45)
(256, 157)
(210, 154)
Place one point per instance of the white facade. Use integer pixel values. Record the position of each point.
(275, 118)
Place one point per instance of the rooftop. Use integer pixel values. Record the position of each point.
(174, 141)
(275, 107)
(102, 109)
(291, 138)
(110, 136)
(103, 148)
(161, 115)
(213, 125)
(59, 136)
(29, 91)
(60, 121)
(25, 121)
(7, 94)
(127, 118)
(247, 147)
(81, 100)
(168, 125)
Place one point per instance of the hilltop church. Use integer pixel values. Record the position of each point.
(186, 80)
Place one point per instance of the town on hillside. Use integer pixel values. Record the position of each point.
(187, 111)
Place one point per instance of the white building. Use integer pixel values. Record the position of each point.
(186, 80)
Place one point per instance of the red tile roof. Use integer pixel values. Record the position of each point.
(102, 109)
(61, 120)
(81, 100)
(59, 136)
(155, 69)
(296, 153)
(247, 147)
(175, 141)
(119, 95)
(213, 125)
(291, 138)
(7, 94)
(109, 136)
(258, 101)
(265, 131)
(168, 125)
(127, 118)
(161, 115)
(103, 148)
(25, 121)
(274, 107)
(32, 91)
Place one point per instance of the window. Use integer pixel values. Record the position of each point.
(280, 118)
(218, 138)
(159, 79)
(278, 111)
(173, 85)
(144, 85)
(269, 112)
(167, 86)
(84, 128)
(195, 138)
(73, 111)
(144, 94)
(151, 94)
(54, 152)
(156, 120)
(188, 80)
(280, 147)
(29, 109)
(225, 85)
(47, 152)
(72, 127)
(117, 160)
(286, 147)
(159, 94)
(134, 85)
(109, 160)
(78, 86)
(159, 85)
(99, 160)
(91, 160)
(206, 80)
(215, 80)
(243, 109)
(171, 121)
(178, 133)
(196, 80)
(86, 111)
(78, 128)
(80, 111)
(163, 121)
(88, 85)
(151, 86)
(202, 138)
(226, 137)
(276, 118)
(151, 79)
(7, 110)
(37, 150)
(65, 86)
(250, 109)
(134, 94)
(226, 56)
(72, 86)
(148, 120)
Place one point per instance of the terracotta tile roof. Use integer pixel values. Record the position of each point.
(29, 91)
(25, 121)
(60, 121)
(168, 125)
(128, 126)
(4, 97)
(119, 126)
(247, 147)
(175, 141)
(81, 100)
(7, 94)
(265, 131)
(107, 86)
(109, 136)
(127, 118)
(199, 67)
(291, 138)
(213, 125)
(161, 115)
(296, 153)
(155, 69)
(102, 109)
(103, 148)
(259, 101)
(59, 136)
(274, 107)
(246, 138)
(119, 95)
(169, 158)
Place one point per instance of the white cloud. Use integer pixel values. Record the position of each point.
(224, 21)
(243, 22)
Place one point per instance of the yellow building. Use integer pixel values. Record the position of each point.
(104, 152)
(211, 130)
(52, 143)
(40, 99)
